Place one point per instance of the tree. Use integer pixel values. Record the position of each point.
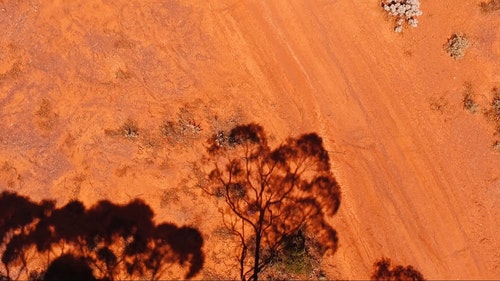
(269, 194)
(382, 271)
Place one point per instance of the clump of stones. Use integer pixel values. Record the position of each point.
(404, 10)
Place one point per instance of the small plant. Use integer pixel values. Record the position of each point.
(493, 113)
(456, 46)
(404, 11)
(468, 101)
(129, 129)
(490, 6)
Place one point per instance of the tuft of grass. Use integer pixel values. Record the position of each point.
(129, 129)
(456, 46)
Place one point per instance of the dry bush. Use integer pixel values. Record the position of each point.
(404, 11)
(456, 46)
(490, 6)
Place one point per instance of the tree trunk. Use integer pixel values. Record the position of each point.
(257, 257)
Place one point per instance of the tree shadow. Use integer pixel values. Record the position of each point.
(383, 270)
(68, 267)
(113, 241)
(268, 195)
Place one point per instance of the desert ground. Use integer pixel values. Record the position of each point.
(419, 174)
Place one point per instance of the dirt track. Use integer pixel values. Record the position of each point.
(420, 179)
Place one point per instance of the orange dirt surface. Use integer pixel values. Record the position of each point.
(420, 180)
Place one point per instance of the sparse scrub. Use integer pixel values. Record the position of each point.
(490, 6)
(170, 130)
(456, 46)
(182, 129)
(185, 128)
(404, 11)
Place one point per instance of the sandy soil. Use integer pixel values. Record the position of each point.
(420, 180)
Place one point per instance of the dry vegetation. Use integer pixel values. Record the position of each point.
(183, 129)
(469, 102)
(456, 46)
(129, 129)
(493, 111)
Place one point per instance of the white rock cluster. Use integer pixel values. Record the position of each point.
(404, 10)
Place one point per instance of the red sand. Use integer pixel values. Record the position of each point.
(419, 176)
